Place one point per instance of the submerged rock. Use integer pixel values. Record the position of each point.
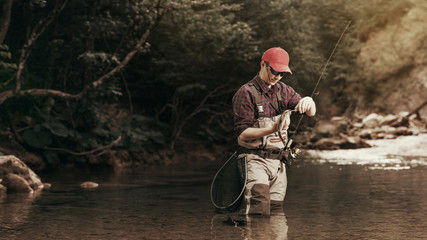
(89, 184)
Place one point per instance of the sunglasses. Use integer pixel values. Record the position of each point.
(275, 73)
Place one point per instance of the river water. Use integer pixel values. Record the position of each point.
(324, 201)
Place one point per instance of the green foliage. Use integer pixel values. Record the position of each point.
(199, 46)
(191, 45)
(57, 128)
(37, 137)
(190, 88)
(6, 66)
(93, 127)
(181, 81)
(39, 3)
(97, 59)
(139, 140)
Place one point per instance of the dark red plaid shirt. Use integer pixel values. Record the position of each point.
(244, 103)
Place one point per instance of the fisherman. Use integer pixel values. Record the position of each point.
(257, 107)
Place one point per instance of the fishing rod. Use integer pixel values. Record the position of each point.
(236, 168)
(288, 152)
(321, 76)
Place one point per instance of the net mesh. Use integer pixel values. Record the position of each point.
(229, 184)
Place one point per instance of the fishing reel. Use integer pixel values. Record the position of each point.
(289, 154)
(294, 153)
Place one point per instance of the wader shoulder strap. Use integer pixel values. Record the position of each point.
(261, 113)
(254, 85)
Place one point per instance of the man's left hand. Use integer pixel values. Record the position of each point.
(306, 105)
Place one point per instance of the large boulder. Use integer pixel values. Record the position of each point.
(17, 177)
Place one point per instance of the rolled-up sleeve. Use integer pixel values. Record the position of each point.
(243, 109)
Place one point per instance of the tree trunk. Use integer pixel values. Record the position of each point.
(5, 19)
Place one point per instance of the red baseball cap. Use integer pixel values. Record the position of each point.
(278, 59)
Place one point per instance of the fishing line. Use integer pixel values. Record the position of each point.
(323, 72)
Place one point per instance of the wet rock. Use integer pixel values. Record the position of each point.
(366, 134)
(358, 125)
(388, 119)
(385, 131)
(340, 123)
(341, 141)
(402, 131)
(327, 144)
(371, 121)
(32, 160)
(341, 133)
(2, 188)
(351, 142)
(16, 184)
(89, 184)
(17, 176)
(335, 134)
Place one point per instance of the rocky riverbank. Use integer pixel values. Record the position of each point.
(342, 133)
(392, 142)
(379, 140)
(398, 152)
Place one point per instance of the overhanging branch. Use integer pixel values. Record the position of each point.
(67, 96)
(103, 148)
(129, 56)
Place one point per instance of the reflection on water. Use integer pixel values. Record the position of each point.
(324, 201)
(356, 202)
(14, 210)
(274, 227)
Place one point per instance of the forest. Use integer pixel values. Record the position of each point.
(127, 83)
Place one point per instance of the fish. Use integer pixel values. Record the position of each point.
(285, 115)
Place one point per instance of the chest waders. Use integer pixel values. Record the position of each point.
(267, 181)
(275, 145)
(229, 186)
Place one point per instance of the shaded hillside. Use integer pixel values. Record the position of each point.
(392, 60)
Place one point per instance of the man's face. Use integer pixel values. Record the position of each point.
(272, 76)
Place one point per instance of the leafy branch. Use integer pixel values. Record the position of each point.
(39, 29)
(180, 118)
